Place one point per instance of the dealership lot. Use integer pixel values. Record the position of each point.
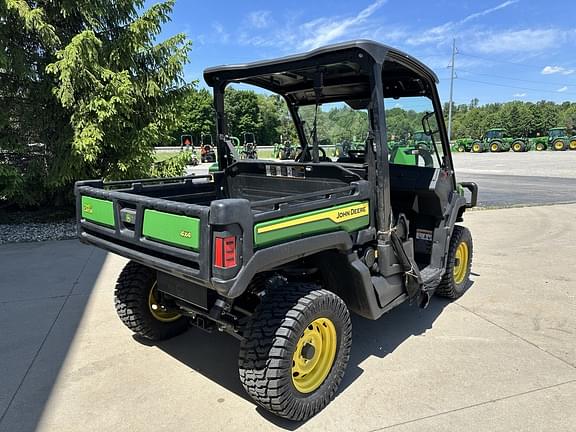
(502, 357)
(486, 362)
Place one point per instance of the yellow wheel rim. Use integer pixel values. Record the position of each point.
(573, 145)
(539, 147)
(558, 145)
(156, 310)
(461, 262)
(476, 147)
(494, 147)
(314, 355)
(517, 147)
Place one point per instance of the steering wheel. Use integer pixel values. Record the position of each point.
(308, 156)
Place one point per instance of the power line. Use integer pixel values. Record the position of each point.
(503, 61)
(517, 87)
(517, 79)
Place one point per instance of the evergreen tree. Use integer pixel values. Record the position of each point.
(88, 80)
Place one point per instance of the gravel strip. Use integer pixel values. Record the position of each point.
(34, 232)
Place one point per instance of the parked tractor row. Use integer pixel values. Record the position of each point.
(497, 140)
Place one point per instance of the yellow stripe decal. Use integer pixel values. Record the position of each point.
(341, 214)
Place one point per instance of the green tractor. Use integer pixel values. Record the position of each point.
(494, 140)
(422, 139)
(463, 145)
(557, 140)
(407, 151)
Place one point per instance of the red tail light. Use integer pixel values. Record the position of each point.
(225, 252)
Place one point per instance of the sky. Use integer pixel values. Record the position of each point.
(506, 49)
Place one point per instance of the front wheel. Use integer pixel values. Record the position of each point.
(540, 147)
(295, 350)
(477, 147)
(139, 305)
(456, 280)
(572, 144)
(518, 146)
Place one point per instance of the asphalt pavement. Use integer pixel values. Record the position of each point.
(501, 358)
(510, 179)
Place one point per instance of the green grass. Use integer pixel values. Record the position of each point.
(162, 156)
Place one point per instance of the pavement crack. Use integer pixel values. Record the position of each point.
(474, 405)
(37, 353)
(516, 335)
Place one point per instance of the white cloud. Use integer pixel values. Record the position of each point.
(549, 70)
(520, 95)
(562, 89)
(260, 19)
(487, 11)
(289, 34)
(527, 40)
(221, 34)
(322, 31)
(443, 31)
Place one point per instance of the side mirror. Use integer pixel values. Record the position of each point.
(426, 124)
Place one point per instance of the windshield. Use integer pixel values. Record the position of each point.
(554, 133)
(421, 136)
(494, 134)
(339, 128)
(408, 144)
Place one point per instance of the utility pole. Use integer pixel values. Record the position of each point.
(451, 89)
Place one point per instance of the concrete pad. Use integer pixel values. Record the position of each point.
(549, 409)
(482, 355)
(526, 283)
(40, 270)
(409, 363)
(23, 327)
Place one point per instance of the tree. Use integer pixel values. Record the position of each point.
(242, 112)
(196, 114)
(89, 81)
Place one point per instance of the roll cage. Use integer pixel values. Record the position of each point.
(359, 73)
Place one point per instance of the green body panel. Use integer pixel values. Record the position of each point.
(401, 158)
(310, 223)
(182, 231)
(98, 211)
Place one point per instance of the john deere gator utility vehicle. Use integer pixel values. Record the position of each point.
(494, 140)
(278, 253)
(557, 139)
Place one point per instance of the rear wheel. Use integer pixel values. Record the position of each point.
(559, 145)
(495, 146)
(477, 147)
(139, 305)
(295, 350)
(457, 277)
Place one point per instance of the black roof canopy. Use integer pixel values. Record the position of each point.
(345, 74)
